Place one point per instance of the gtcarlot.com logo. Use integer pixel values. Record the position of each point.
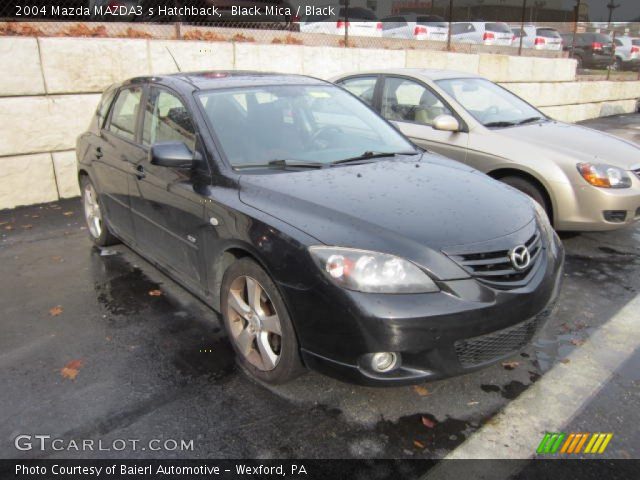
(573, 443)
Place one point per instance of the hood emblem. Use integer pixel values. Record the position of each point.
(520, 257)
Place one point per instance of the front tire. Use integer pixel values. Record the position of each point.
(94, 215)
(258, 324)
(530, 189)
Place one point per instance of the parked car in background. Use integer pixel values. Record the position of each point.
(318, 231)
(484, 33)
(591, 50)
(627, 53)
(416, 27)
(361, 22)
(584, 179)
(539, 38)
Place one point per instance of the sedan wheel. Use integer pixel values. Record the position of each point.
(92, 212)
(96, 222)
(255, 326)
(258, 324)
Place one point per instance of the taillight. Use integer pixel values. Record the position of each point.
(341, 24)
(488, 36)
(379, 26)
(539, 41)
(635, 49)
(596, 46)
(513, 38)
(295, 19)
(419, 30)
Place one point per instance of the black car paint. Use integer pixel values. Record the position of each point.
(193, 225)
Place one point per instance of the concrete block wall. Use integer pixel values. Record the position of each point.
(50, 88)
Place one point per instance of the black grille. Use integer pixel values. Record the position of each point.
(487, 348)
(495, 268)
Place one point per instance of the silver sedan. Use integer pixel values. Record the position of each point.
(586, 180)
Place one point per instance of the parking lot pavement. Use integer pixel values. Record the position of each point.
(97, 344)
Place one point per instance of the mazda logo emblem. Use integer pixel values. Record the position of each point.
(520, 257)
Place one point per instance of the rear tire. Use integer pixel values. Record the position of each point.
(94, 215)
(529, 188)
(258, 324)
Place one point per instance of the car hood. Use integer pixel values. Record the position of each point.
(398, 206)
(577, 142)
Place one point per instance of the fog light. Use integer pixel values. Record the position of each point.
(384, 361)
(615, 216)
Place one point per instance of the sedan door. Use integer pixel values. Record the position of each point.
(115, 155)
(413, 107)
(168, 210)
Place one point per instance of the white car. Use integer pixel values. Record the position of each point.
(482, 33)
(538, 38)
(416, 27)
(361, 22)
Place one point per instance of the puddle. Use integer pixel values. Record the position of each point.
(187, 345)
(410, 433)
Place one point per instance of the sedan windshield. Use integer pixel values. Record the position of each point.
(297, 124)
(491, 105)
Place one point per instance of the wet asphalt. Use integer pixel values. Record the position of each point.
(97, 344)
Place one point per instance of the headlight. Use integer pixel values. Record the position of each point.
(605, 176)
(371, 272)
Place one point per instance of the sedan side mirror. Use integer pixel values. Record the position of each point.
(171, 154)
(446, 123)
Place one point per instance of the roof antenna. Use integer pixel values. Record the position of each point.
(174, 59)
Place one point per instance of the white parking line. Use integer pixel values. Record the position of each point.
(555, 399)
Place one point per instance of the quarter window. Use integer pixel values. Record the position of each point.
(166, 119)
(407, 101)
(125, 113)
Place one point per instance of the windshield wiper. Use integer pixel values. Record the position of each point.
(283, 164)
(369, 155)
(500, 124)
(529, 120)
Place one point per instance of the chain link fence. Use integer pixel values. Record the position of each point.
(511, 27)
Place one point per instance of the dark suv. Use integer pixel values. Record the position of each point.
(591, 50)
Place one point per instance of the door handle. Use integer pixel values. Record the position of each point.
(99, 153)
(140, 172)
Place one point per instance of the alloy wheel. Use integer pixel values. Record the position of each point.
(254, 323)
(92, 212)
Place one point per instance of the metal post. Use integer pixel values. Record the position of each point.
(613, 54)
(575, 28)
(524, 14)
(346, 23)
(178, 21)
(450, 20)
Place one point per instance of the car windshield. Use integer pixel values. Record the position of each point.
(491, 105)
(317, 124)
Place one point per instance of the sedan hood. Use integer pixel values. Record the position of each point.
(579, 143)
(396, 206)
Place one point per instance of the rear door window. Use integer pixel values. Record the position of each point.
(125, 113)
(363, 87)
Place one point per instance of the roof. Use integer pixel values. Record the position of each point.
(428, 73)
(207, 80)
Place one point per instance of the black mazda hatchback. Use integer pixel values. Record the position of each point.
(322, 235)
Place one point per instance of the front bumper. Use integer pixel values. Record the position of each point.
(582, 207)
(466, 326)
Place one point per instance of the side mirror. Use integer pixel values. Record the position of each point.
(446, 123)
(172, 155)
